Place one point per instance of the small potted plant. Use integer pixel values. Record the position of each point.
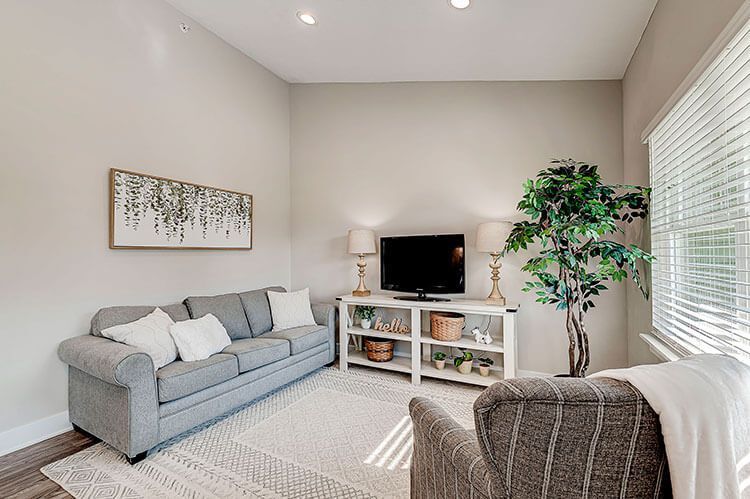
(365, 315)
(439, 358)
(463, 362)
(484, 366)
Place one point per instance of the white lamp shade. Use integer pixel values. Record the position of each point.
(361, 241)
(491, 236)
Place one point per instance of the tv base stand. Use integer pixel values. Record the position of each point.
(417, 358)
(420, 297)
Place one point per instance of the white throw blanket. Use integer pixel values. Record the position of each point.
(703, 403)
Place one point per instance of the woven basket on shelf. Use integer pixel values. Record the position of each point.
(446, 326)
(379, 350)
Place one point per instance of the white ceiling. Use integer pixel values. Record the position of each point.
(427, 40)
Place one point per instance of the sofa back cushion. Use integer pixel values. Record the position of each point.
(227, 308)
(115, 316)
(258, 310)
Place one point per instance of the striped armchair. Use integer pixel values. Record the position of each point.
(542, 437)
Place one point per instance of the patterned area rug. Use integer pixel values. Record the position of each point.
(330, 434)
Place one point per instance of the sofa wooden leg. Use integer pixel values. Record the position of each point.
(137, 458)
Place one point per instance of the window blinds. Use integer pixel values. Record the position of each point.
(700, 211)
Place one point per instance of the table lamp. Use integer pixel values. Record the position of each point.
(361, 242)
(491, 238)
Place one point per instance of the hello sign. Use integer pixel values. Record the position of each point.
(395, 326)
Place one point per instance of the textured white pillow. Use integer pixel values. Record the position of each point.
(150, 334)
(198, 339)
(290, 309)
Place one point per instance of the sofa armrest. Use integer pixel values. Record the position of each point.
(447, 461)
(112, 392)
(324, 314)
(113, 362)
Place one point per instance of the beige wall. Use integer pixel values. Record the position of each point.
(92, 84)
(678, 34)
(422, 158)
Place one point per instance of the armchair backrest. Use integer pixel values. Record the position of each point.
(570, 437)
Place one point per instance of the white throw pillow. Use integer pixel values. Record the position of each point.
(150, 334)
(290, 309)
(198, 339)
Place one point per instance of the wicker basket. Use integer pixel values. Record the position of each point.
(379, 350)
(446, 326)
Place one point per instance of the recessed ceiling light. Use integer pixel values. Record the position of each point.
(307, 18)
(460, 4)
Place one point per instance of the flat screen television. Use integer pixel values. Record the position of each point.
(422, 265)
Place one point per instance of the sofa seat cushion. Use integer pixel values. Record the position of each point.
(301, 338)
(227, 308)
(180, 378)
(258, 310)
(253, 353)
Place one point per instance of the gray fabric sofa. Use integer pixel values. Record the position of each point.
(542, 437)
(115, 394)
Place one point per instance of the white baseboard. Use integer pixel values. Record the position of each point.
(32, 433)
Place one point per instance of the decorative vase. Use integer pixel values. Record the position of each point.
(465, 367)
(365, 323)
(440, 364)
(484, 370)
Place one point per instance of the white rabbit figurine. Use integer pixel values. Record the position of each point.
(480, 337)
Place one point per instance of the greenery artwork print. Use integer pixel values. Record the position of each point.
(155, 212)
(572, 215)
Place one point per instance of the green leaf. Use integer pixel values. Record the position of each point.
(572, 217)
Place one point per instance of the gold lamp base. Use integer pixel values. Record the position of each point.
(495, 301)
(495, 297)
(361, 289)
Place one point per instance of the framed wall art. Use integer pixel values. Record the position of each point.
(149, 212)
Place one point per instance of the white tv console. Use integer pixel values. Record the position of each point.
(419, 363)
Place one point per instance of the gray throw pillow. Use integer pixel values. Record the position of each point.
(227, 308)
(258, 310)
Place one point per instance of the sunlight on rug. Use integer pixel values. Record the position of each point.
(330, 434)
(400, 435)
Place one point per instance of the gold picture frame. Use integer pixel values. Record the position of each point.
(175, 214)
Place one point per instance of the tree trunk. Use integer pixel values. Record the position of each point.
(583, 339)
(582, 348)
(572, 343)
(585, 336)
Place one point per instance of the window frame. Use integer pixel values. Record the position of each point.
(665, 345)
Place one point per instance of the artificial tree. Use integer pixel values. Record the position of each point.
(571, 213)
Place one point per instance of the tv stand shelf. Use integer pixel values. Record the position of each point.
(466, 342)
(418, 362)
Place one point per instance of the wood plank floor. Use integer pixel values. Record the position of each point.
(19, 471)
